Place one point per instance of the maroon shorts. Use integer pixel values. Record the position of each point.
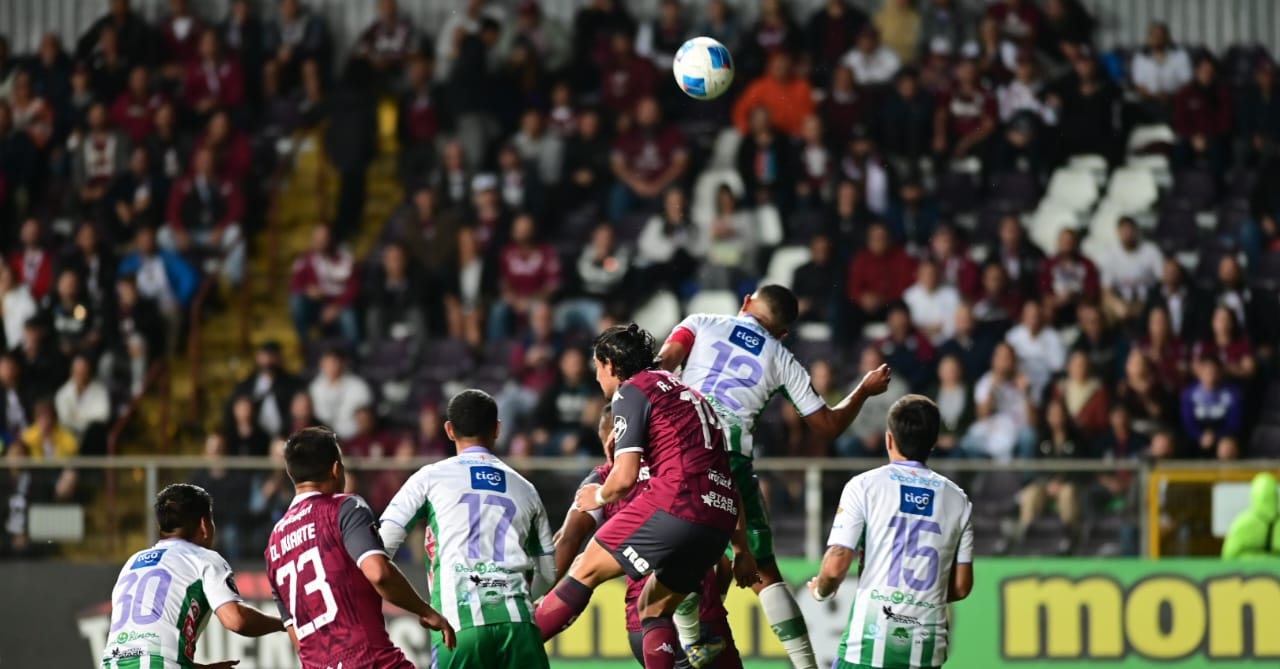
(676, 551)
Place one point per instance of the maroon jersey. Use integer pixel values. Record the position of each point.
(676, 432)
(313, 560)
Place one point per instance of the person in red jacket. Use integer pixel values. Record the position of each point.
(878, 275)
(133, 109)
(1067, 279)
(323, 287)
(787, 97)
(232, 153)
(213, 80)
(203, 217)
(32, 263)
(1202, 117)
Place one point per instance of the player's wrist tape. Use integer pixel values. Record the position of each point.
(817, 595)
(600, 496)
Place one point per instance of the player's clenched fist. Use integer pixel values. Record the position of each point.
(876, 381)
(437, 622)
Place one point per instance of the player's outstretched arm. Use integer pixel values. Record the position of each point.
(835, 567)
(246, 620)
(671, 355)
(577, 528)
(391, 584)
(830, 422)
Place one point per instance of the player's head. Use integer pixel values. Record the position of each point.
(913, 428)
(472, 419)
(185, 511)
(774, 306)
(313, 459)
(622, 351)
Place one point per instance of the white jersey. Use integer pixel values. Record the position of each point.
(161, 603)
(738, 366)
(912, 525)
(487, 534)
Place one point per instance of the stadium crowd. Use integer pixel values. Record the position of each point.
(883, 159)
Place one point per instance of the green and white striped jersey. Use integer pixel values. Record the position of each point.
(161, 603)
(738, 366)
(912, 525)
(489, 548)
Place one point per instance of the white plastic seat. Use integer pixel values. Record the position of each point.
(1047, 222)
(659, 315)
(1092, 163)
(725, 150)
(784, 263)
(1157, 164)
(702, 206)
(721, 302)
(1133, 189)
(1071, 189)
(1146, 135)
(769, 225)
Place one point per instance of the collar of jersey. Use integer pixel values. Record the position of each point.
(475, 450)
(909, 463)
(302, 496)
(753, 321)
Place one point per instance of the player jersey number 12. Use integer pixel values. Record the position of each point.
(746, 373)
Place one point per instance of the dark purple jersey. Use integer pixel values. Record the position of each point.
(313, 565)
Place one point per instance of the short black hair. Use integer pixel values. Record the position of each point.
(914, 421)
(781, 302)
(473, 413)
(180, 508)
(629, 348)
(310, 453)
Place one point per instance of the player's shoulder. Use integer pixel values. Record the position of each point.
(516, 482)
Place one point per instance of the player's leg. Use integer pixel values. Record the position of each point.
(570, 597)
(636, 641)
(779, 605)
(516, 646)
(469, 652)
(682, 561)
(728, 657)
(660, 641)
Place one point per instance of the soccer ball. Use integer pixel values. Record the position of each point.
(703, 68)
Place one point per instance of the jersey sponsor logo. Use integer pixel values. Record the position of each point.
(666, 648)
(148, 559)
(641, 564)
(715, 500)
(123, 653)
(747, 340)
(900, 597)
(488, 478)
(619, 427)
(898, 618)
(129, 637)
(719, 479)
(916, 501)
(912, 479)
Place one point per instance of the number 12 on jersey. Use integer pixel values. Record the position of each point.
(907, 542)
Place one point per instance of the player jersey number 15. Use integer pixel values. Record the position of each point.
(288, 576)
(743, 372)
(907, 542)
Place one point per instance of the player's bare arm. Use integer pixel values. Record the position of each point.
(961, 581)
(389, 581)
(835, 567)
(623, 477)
(246, 620)
(746, 572)
(829, 422)
(577, 528)
(672, 355)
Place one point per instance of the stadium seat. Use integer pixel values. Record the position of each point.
(783, 265)
(702, 207)
(769, 226)
(813, 332)
(714, 302)
(1071, 189)
(659, 315)
(1092, 163)
(725, 150)
(1132, 189)
(1146, 137)
(1155, 163)
(1047, 222)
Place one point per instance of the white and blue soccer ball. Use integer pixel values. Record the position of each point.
(703, 68)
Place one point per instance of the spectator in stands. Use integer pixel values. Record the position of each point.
(1184, 302)
(626, 78)
(134, 33)
(429, 234)
(602, 269)
(1129, 269)
(1084, 394)
(470, 288)
(1065, 28)
(731, 244)
(243, 35)
(969, 344)
(932, 303)
(162, 276)
(533, 365)
(906, 349)
(50, 70)
(71, 118)
(550, 42)
(912, 216)
(84, 406)
(764, 162)
(429, 439)
(830, 33)
(170, 148)
(323, 286)
(878, 276)
(295, 37)
(899, 24)
(1202, 117)
(229, 485)
(905, 119)
(1149, 401)
(955, 404)
(1159, 71)
(992, 51)
(1004, 410)
(241, 432)
(660, 38)
(388, 42)
(1230, 346)
(134, 336)
(865, 436)
(133, 111)
(371, 439)
(8, 66)
(998, 304)
(670, 246)
(393, 304)
(231, 149)
(1213, 412)
(213, 80)
(720, 24)
(956, 267)
(540, 149)
(19, 167)
(1120, 443)
(520, 82)
(1067, 279)
(965, 118)
(272, 493)
(302, 413)
(32, 264)
(586, 165)
(16, 307)
(1024, 94)
(816, 283)
(1019, 20)
(944, 24)
(521, 188)
(47, 439)
(180, 34)
(273, 390)
(1164, 348)
(565, 417)
(15, 407)
(863, 164)
(134, 196)
(848, 219)
(1232, 292)
(1100, 343)
(1058, 439)
(1040, 350)
(1089, 111)
(76, 322)
(774, 32)
(528, 274)
(1257, 122)
(43, 363)
(107, 67)
(646, 161)
(814, 166)
(204, 219)
(787, 98)
(338, 394)
(351, 138)
(873, 63)
(99, 155)
(420, 120)
(844, 106)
